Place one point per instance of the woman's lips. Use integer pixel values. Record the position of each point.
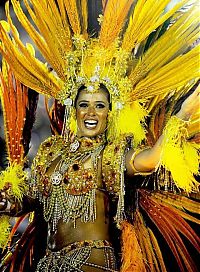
(90, 124)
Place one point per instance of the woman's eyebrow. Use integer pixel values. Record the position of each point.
(83, 101)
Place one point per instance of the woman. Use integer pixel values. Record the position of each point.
(77, 176)
(67, 182)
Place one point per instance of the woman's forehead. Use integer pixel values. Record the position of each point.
(100, 95)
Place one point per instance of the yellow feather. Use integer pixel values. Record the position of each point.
(52, 30)
(178, 156)
(148, 16)
(4, 230)
(16, 177)
(84, 9)
(113, 21)
(179, 201)
(30, 48)
(73, 14)
(176, 39)
(73, 123)
(190, 151)
(130, 119)
(49, 83)
(5, 25)
(194, 125)
(171, 76)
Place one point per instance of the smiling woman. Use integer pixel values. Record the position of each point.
(92, 112)
(82, 187)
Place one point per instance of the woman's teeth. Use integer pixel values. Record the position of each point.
(90, 123)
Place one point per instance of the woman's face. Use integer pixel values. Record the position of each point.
(91, 113)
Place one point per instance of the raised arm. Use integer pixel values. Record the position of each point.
(147, 160)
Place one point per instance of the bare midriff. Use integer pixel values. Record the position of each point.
(68, 233)
(71, 232)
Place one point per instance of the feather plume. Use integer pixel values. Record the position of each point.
(147, 16)
(172, 43)
(4, 231)
(185, 161)
(14, 101)
(170, 223)
(16, 177)
(113, 21)
(123, 123)
(47, 84)
(132, 259)
(165, 79)
(55, 41)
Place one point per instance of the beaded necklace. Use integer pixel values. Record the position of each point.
(70, 191)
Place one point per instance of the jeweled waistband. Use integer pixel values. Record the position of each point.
(85, 243)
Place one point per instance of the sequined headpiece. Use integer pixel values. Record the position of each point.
(133, 56)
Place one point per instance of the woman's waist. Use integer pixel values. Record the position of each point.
(66, 233)
(95, 255)
(98, 243)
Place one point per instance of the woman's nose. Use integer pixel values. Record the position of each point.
(91, 111)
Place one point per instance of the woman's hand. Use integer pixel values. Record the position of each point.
(3, 201)
(7, 202)
(190, 105)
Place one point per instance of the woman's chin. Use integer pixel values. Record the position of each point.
(89, 133)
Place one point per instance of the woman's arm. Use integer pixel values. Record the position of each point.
(12, 207)
(147, 160)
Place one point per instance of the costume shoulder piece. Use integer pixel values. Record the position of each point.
(48, 151)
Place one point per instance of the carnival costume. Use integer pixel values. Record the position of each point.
(146, 58)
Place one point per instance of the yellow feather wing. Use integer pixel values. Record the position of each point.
(55, 40)
(77, 14)
(171, 76)
(172, 43)
(147, 16)
(113, 21)
(38, 77)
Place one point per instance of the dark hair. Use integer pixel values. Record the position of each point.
(101, 87)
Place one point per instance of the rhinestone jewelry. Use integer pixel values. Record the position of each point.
(56, 178)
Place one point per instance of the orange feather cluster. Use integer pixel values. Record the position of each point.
(132, 258)
(14, 100)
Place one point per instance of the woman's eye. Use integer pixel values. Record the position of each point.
(83, 105)
(100, 106)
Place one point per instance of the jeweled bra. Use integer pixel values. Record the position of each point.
(69, 192)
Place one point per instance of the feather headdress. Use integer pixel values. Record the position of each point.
(59, 30)
(143, 52)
